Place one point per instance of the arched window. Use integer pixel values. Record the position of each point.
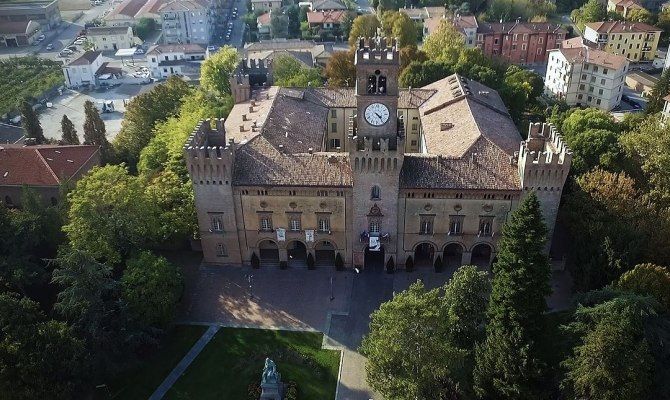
(376, 83)
(221, 250)
(375, 193)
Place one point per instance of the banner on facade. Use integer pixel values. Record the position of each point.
(375, 244)
(281, 234)
(309, 235)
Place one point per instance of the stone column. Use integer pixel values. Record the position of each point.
(466, 258)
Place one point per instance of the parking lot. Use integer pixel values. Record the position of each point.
(71, 103)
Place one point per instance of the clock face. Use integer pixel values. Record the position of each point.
(376, 114)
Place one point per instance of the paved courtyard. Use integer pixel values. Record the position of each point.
(300, 299)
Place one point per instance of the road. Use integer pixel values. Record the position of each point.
(237, 30)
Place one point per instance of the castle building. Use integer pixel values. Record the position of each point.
(367, 173)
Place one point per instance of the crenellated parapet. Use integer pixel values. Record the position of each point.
(379, 50)
(544, 159)
(209, 158)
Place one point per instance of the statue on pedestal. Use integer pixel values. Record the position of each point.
(271, 386)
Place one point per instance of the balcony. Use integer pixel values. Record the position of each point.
(384, 237)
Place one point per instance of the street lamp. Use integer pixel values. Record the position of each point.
(332, 295)
(250, 278)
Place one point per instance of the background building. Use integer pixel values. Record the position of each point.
(635, 41)
(265, 5)
(585, 76)
(519, 42)
(83, 71)
(111, 38)
(175, 59)
(641, 82)
(15, 34)
(187, 21)
(623, 7)
(129, 12)
(370, 174)
(45, 13)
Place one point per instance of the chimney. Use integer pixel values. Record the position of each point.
(241, 127)
(310, 150)
(251, 109)
(244, 117)
(446, 126)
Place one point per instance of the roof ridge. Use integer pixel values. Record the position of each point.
(47, 164)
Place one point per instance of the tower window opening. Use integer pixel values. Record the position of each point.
(377, 83)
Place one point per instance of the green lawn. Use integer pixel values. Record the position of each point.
(140, 382)
(235, 357)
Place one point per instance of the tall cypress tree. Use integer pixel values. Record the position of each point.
(94, 131)
(31, 123)
(508, 363)
(69, 133)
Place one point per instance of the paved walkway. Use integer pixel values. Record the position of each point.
(184, 363)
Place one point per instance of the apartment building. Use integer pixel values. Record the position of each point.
(623, 7)
(84, 71)
(519, 42)
(582, 75)
(180, 59)
(636, 41)
(111, 38)
(265, 5)
(187, 21)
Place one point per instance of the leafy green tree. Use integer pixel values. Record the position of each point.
(173, 198)
(293, 14)
(110, 215)
(39, 359)
(444, 44)
(594, 148)
(406, 358)
(145, 27)
(340, 70)
(95, 132)
(364, 26)
(647, 280)
(661, 89)
(289, 72)
(465, 300)
(279, 25)
(578, 121)
(31, 122)
(151, 287)
(418, 74)
(215, 71)
(612, 350)
(398, 25)
(508, 363)
(640, 15)
(142, 113)
(69, 133)
(592, 11)
(409, 54)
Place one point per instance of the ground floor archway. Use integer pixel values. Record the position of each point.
(481, 255)
(268, 252)
(296, 251)
(452, 256)
(324, 253)
(424, 254)
(374, 259)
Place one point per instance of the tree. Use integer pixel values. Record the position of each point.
(409, 54)
(640, 15)
(594, 148)
(340, 70)
(143, 112)
(215, 71)
(144, 28)
(578, 121)
(289, 72)
(364, 26)
(69, 133)
(279, 25)
(31, 122)
(444, 44)
(175, 204)
(592, 11)
(418, 74)
(466, 296)
(38, 358)
(293, 15)
(95, 132)
(508, 362)
(660, 90)
(407, 357)
(398, 25)
(151, 287)
(647, 280)
(110, 215)
(612, 350)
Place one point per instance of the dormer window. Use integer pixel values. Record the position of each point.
(376, 83)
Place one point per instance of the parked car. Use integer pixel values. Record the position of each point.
(79, 42)
(65, 52)
(211, 48)
(139, 50)
(72, 48)
(50, 46)
(40, 38)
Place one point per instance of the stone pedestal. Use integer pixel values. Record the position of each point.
(272, 391)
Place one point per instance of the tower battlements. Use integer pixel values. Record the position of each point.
(377, 50)
(544, 158)
(208, 157)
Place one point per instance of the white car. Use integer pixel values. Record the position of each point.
(50, 46)
(139, 50)
(79, 42)
(40, 38)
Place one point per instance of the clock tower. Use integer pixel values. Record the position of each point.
(376, 143)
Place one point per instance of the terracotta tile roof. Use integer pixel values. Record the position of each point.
(129, 8)
(107, 30)
(328, 5)
(621, 27)
(483, 166)
(182, 5)
(42, 165)
(14, 27)
(574, 50)
(264, 19)
(324, 17)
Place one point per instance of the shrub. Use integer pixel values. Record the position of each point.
(409, 264)
(283, 265)
(390, 265)
(310, 261)
(255, 262)
(254, 391)
(438, 264)
(339, 263)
